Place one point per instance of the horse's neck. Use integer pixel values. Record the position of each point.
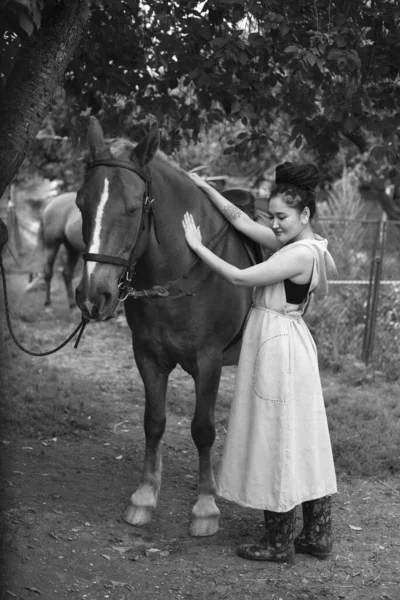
(167, 254)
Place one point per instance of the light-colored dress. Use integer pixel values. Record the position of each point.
(277, 452)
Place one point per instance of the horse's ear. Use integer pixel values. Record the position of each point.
(148, 146)
(95, 138)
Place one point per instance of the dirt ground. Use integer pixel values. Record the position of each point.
(65, 485)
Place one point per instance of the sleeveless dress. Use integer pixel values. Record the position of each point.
(277, 452)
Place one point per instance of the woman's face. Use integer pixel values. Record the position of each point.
(286, 221)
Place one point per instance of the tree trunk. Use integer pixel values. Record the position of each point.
(33, 81)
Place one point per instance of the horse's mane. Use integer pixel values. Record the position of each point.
(118, 146)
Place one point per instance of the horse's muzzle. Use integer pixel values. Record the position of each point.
(96, 305)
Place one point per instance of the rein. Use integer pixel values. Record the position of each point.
(78, 330)
(163, 291)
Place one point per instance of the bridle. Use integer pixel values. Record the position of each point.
(148, 211)
(141, 240)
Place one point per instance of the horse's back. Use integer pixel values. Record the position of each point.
(62, 221)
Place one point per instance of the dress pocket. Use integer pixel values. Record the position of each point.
(271, 372)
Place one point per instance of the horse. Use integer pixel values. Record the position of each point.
(60, 225)
(179, 311)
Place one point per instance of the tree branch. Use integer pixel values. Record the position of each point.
(33, 81)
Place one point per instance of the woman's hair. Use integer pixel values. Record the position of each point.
(297, 184)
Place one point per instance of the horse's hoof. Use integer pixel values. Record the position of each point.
(205, 516)
(204, 526)
(137, 515)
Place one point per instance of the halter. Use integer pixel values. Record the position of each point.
(147, 212)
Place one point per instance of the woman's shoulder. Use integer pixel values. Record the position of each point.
(302, 249)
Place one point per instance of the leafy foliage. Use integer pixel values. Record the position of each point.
(332, 66)
(329, 68)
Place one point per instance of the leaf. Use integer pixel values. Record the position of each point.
(219, 42)
(37, 17)
(335, 54)
(26, 24)
(26, 3)
(235, 107)
(283, 28)
(352, 59)
(105, 556)
(299, 141)
(123, 549)
(151, 551)
(355, 528)
(291, 49)
(378, 153)
(310, 58)
(86, 10)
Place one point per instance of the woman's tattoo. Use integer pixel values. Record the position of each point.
(231, 212)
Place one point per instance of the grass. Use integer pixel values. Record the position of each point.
(364, 423)
(84, 392)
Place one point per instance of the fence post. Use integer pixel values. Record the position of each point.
(373, 289)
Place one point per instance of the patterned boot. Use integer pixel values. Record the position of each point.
(277, 544)
(315, 538)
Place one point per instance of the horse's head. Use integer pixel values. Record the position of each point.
(113, 201)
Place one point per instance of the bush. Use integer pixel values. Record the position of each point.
(338, 322)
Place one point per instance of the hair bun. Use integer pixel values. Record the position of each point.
(302, 176)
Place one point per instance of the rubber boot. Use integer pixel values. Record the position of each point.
(316, 536)
(277, 545)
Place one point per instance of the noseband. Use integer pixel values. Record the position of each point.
(147, 212)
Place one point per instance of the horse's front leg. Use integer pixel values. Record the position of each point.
(205, 514)
(143, 502)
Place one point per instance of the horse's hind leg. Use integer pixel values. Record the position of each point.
(205, 514)
(50, 254)
(68, 272)
(143, 502)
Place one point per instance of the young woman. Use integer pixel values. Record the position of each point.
(277, 453)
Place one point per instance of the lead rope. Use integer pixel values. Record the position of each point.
(78, 330)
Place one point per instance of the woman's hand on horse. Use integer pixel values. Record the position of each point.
(192, 233)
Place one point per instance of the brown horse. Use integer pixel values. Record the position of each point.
(60, 225)
(132, 203)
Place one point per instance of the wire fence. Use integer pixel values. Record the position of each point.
(361, 316)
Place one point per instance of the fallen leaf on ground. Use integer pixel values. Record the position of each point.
(122, 549)
(114, 584)
(150, 551)
(32, 589)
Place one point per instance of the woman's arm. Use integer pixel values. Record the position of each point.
(296, 264)
(240, 221)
